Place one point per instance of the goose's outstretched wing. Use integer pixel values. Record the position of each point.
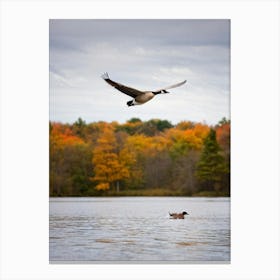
(127, 90)
(164, 90)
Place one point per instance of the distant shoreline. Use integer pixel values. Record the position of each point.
(150, 194)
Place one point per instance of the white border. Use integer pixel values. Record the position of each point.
(255, 137)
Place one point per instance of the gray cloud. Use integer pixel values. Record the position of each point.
(72, 34)
(146, 54)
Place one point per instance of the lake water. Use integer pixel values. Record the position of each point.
(138, 229)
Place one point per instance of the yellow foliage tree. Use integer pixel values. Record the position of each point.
(103, 187)
(193, 137)
(109, 166)
(136, 149)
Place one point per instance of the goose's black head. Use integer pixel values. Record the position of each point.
(185, 213)
(160, 92)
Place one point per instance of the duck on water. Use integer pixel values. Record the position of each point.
(178, 215)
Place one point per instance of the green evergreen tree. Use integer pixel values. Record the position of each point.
(211, 167)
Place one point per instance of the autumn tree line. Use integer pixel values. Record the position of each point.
(139, 158)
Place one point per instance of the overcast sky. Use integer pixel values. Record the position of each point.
(144, 54)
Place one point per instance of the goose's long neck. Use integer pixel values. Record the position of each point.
(160, 92)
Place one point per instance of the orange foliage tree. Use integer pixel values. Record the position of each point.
(109, 166)
(69, 161)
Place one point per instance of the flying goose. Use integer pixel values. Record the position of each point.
(139, 97)
(178, 215)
